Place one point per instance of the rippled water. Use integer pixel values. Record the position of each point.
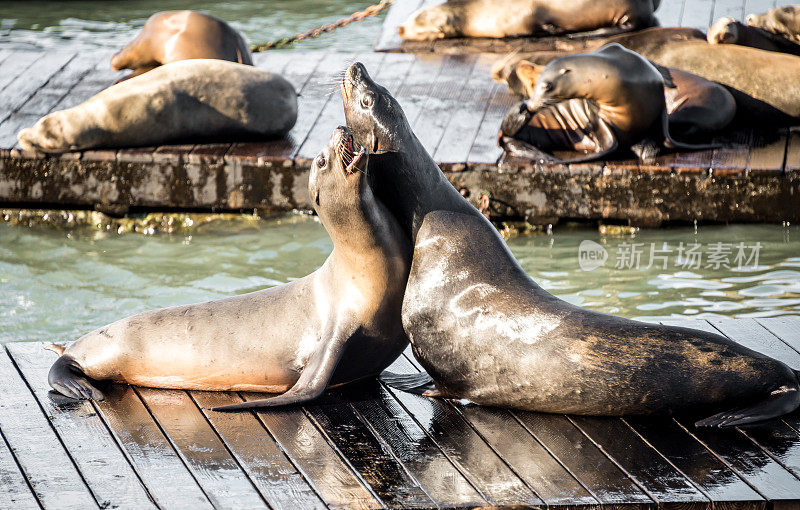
(81, 25)
(57, 284)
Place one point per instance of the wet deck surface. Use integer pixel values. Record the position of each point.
(372, 447)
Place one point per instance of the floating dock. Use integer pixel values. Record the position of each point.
(374, 447)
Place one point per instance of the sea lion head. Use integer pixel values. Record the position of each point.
(781, 20)
(374, 116)
(528, 74)
(428, 24)
(723, 31)
(337, 180)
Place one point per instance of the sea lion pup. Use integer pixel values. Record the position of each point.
(190, 99)
(593, 103)
(695, 106)
(515, 18)
(783, 21)
(730, 31)
(486, 332)
(339, 324)
(171, 36)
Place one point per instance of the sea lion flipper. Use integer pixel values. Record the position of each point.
(67, 378)
(671, 143)
(781, 401)
(410, 383)
(312, 382)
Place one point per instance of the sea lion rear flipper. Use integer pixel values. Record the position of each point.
(781, 401)
(67, 378)
(312, 382)
(410, 383)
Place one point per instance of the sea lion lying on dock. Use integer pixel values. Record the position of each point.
(592, 103)
(516, 18)
(783, 21)
(694, 105)
(485, 331)
(339, 324)
(190, 99)
(171, 36)
(730, 31)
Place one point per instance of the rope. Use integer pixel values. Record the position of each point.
(372, 10)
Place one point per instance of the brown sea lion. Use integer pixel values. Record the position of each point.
(485, 331)
(190, 99)
(339, 324)
(784, 21)
(593, 103)
(515, 18)
(694, 105)
(171, 36)
(730, 31)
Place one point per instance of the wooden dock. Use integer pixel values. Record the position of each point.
(373, 447)
(454, 107)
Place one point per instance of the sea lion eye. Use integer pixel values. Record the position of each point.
(563, 70)
(367, 100)
(321, 161)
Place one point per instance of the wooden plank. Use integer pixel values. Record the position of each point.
(779, 438)
(103, 465)
(38, 450)
(697, 14)
(641, 462)
(15, 64)
(321, 464)
(370, 457)
(768, 156)
(4, 54)
(759, 6)
(464, 447)
(389, 39)
(785, 328)
(669, 13)
(484, 150)
(604, 480)
(258, 454)
(728, 8)
(415, 450)
(442, 102)
(415, 89)
(393, 71)
(732, 158)
(793, 152)
(217, 472)
(25, 85)
(755, 336)
(468, 113)
(164, 474)
(14, 490)
(331, 115)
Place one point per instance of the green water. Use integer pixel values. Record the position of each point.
(58, 284)
(81, 25)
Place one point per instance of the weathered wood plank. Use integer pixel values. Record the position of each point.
(484, 149)
(258, 454)
(104, 467)
(24, 86)
(768, 156)
(389, 39)
(217, 472)
(464, 447)
(728, 8)
(415, 89)
(15, 64)
(14, 490)
(332, 477)
(670, 12)
(755, 336)
(164, 474)
(697, 14)
(785, 328)
(47, 466)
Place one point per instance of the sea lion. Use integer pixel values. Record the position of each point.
(593, 103)
(695, 106)
(171, 36)
(783, 21)
(515, 18)
(486, 332)
(339, 324)
(730, 31)
(190, 99)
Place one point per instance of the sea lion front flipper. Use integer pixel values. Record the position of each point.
(68, 379)
(671, 143)
(781, 401)
(410, 383)
(521, 149)
(312, 382)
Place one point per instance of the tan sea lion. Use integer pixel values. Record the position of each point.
(516, 18)
(593, 103)
(190, 99)
(730, 31)
(339, 324)
(694, 105)
(784, 21)
(485, 331)
(171, 36)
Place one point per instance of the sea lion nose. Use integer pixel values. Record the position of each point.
(751, 18)
(356, 71)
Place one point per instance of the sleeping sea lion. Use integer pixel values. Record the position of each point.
(486, 332)
(339, 324)
(730, 31)
(190, 99)
(593, 103)
(783, 21)
(171, 36)
(515, 18)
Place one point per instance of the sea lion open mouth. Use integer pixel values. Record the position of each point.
(351, 158)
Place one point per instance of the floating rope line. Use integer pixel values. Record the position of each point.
(372, 10)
